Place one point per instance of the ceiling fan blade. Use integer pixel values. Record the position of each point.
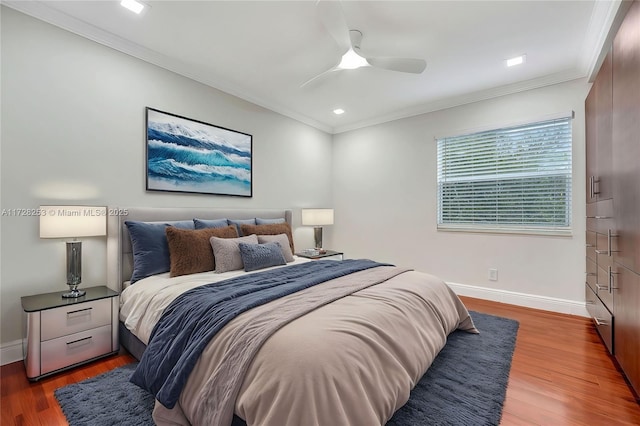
(414, 66)
(332, 17)
(321, 75)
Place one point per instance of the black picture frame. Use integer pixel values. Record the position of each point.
(192, 156)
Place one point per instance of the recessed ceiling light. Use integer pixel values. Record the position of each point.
(516, 61)
(132, 5)
(338, 111)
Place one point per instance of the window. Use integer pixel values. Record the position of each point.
(515, 179)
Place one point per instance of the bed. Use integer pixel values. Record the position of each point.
(344, 345)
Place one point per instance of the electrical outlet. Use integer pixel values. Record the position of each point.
(493, 274)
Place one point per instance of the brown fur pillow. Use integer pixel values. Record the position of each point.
(269, 229)
(190, 251)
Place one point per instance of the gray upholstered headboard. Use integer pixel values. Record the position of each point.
(119, 252)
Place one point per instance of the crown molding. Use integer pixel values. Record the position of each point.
(40, 10)
(467, 98)
(606, 18)
(601, 27)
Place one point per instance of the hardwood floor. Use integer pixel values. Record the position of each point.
(561, 375)
(561, 372)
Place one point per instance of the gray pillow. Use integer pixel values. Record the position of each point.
(260, 256)
(227, 254)
(260, 221)
(239, 222)
(208, 223)
(150, 247)
(284, 244)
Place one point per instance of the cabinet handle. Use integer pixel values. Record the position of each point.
(601, 287)
(607, 252)
(600, 322)
(611, 274)
(598, 217)
(609, 236)
(593, 186)
(590, 245)
(80, 340)
(591, 274)
(591, 192)
(78, 311)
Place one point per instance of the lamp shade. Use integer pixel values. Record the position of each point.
(72, 221)
(317, 217)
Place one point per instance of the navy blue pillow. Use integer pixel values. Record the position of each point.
(238, 222)
(150, 247)
(206, 223)
(259, 256)
(260, 221)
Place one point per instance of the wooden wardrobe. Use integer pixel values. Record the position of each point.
(612, 111)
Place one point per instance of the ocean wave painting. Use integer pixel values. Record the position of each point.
(186, 155)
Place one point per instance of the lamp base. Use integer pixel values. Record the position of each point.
(74, 294)
(317, 236)
(74, 270)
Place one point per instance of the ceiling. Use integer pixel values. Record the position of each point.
(263, 51)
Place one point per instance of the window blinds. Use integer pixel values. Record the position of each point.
(512, 179)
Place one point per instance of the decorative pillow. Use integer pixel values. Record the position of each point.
(240, 222)
(206, 223)
(190, 250)
(150, 248)
(260, 256)
(284, 244)
(260, 221)
(227, 254)
(270, 229)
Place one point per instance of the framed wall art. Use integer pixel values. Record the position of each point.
(185, 155)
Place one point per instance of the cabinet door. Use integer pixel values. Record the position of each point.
(591, 147)
(626, 137)
(626, 285)
(598, 110)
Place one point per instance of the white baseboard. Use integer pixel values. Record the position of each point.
(11, 352)
(571, 307)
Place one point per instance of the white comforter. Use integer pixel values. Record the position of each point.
(352, 362)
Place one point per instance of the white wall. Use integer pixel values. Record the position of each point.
(73, 132)
(385, 196)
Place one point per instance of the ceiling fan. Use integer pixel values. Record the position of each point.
(330, 13)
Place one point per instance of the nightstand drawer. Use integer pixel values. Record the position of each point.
(75, 318)
(68, 350)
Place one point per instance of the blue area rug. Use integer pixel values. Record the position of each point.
(465, 385)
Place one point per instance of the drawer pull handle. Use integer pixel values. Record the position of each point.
(591, 274)
(79, 340)
(600, 322)
(79, 310)
(607, 252)
(601, 287)
(598, 217)
(592, 186)
(611, 274)
(590, 245)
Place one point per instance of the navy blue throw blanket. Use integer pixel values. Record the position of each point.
(193, 318)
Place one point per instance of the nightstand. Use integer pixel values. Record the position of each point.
(329, 255)
(61, 333)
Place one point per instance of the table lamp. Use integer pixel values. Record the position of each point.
(73, 222)
(317, 218)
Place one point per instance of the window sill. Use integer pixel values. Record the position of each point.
(546, 232)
